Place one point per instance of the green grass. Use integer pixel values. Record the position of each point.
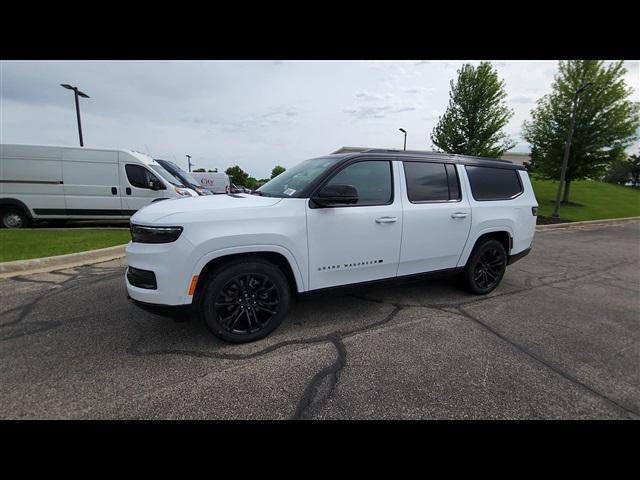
(596, 200)
(36, 243)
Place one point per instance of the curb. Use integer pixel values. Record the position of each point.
(60, 262)
(584, 223)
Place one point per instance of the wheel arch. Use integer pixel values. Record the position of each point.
(503, 234)
(279, 256)
(14, 202)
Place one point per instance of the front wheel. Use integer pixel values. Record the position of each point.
(246, 301)
(13, 217)
(485, 268)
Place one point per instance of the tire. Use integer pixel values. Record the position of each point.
(14, 217)
(485, 268)
(234, 317)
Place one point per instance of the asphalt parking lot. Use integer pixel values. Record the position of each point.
(559, 339)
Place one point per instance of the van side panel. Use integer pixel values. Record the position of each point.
(91, 183)
(33, 176)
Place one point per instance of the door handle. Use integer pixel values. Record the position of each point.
(459, 215)
(386, 219)
(114, 190)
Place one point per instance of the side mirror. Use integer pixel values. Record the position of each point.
(336, 195)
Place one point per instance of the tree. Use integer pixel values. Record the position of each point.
(199, 170)
(277, 170)
(606, 122)
(237, 175)
(476, 115)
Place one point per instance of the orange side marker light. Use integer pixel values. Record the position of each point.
(192, 286)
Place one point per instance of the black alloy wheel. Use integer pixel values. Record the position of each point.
(245, 301)
(485, 267)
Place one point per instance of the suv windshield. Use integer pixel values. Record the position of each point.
(297, 178)
(166, 175)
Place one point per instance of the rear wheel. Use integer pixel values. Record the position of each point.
(246, 301)
(485, 268)
(14, 217)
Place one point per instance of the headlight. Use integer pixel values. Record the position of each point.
(183, 191)
(140, 234)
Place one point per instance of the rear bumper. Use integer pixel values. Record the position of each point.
(518, 256)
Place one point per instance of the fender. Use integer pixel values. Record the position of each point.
(16, 203)
(471, 241)
(202, 261)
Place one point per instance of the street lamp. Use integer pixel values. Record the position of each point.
(189, 161)
(567, 147)
(77, 93)
(405, 137)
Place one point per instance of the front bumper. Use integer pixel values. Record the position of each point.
(168, 264)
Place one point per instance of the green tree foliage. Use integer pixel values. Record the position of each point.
(277, 170)
(237, 175)
(476, 115)
(606, 121)
(622, 171)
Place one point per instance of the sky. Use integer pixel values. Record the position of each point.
(256, 114)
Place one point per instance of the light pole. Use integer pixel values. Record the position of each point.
(189, 161)
(77, 93)
(567, 147)
(405, 137)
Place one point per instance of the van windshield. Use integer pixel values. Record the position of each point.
(297, 178)
(166, 175)
(185, 176)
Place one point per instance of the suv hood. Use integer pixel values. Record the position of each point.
(209, 204)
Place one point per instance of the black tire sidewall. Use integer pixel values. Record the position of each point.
(8, 210)
(467, 277)
(219, 278)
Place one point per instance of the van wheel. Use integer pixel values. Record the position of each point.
(14, 217)
(485, 268)
(246, 301)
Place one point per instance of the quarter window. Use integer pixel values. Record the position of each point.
(488, 183)
(372, 180)
(139, 176)
(431, 182)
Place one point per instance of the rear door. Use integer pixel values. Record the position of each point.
(91, 183)
(437, 217)
(357, 243)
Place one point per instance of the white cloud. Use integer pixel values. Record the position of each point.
(253, 113)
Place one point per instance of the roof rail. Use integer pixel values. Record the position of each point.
(415, 152)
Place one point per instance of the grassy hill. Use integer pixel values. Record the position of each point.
(589, 200)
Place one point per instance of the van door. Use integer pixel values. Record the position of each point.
(361, 242)
(91, 183)
(136, 183)
(437, 217)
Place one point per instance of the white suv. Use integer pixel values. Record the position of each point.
(342, 219)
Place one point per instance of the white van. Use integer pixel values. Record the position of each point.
(39, 182)
(214, 182)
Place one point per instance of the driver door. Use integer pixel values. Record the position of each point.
(359, 242)
(136, 190)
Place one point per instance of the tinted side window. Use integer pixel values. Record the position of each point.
(139, 176)
(431, 182)
(372, 180)
(489, 183)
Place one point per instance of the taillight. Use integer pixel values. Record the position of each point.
(534, 210)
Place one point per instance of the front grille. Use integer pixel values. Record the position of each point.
(142, 278)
